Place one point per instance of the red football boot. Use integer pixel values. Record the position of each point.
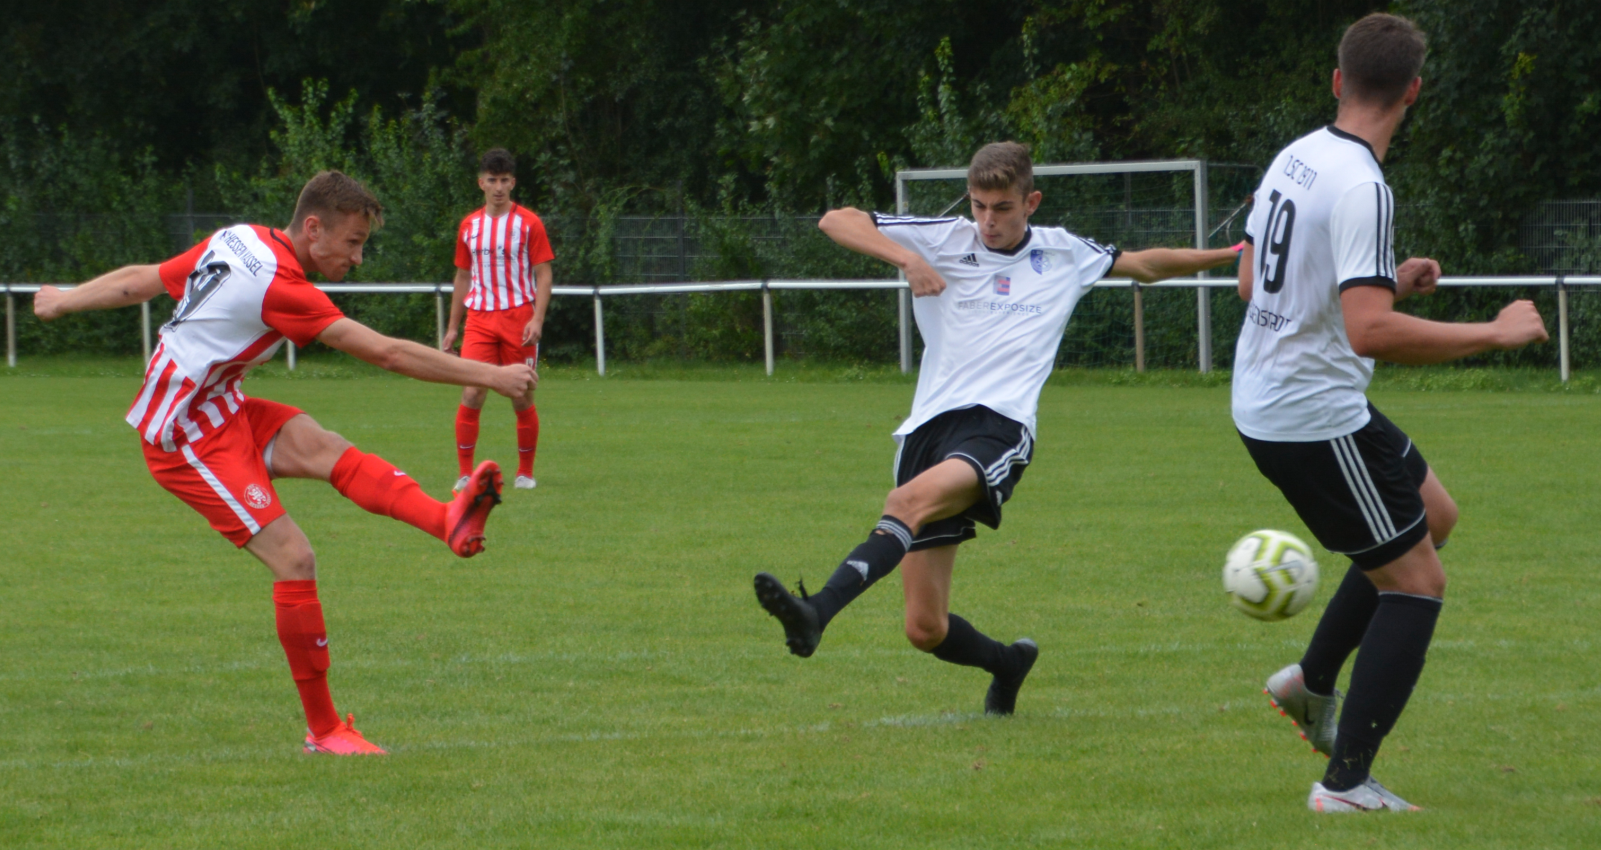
(465, 516)
(343, 741)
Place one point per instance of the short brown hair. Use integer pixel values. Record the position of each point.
(1380, 56)
(497, 161)
(1002, 165)
(335, 192)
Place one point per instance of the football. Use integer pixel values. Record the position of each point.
(1270, 575)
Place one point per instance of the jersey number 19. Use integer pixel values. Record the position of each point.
(1276, 253)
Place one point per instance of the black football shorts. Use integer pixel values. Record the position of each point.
(997, 448)
(1358, 494)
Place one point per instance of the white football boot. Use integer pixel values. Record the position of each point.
(1314, 715)
(1370, 796)
(524, 482)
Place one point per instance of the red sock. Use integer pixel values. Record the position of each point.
(466, 437)
(375, 485)
(305, 641)
(527, 440)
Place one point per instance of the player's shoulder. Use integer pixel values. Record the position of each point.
(1329, 156)
(942, 222)
(1062, 239)
(467, 220)
(528, 215)
(251, 249)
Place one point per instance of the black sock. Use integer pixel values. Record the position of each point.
(877, 557)
(970, 647)
(1339, 632)
(1387, 668)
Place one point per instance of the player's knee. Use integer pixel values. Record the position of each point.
(904, 505)
(474, 397)
(295, 563)
(926, 633)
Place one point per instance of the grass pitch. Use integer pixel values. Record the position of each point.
(602, 676)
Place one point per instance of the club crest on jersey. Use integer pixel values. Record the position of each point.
(969, 260)
(1040, 260)
(1003, 285)
(257, 496)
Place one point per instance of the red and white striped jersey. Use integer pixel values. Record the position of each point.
(501, 251)
(240, 293)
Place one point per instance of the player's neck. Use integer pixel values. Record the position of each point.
(1375, 125)
(495, 210)
(302, 245)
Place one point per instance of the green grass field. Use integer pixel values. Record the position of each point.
(602, 676)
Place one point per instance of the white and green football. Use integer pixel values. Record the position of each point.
(1270, 574)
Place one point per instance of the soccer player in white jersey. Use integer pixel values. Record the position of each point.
(503, 282)
(240, 294)
(993, 296)
(1320, 275)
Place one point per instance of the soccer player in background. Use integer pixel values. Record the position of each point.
(503, 281)
(993, 296)
(1320, 275)
(240, 294)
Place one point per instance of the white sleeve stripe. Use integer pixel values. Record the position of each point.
(883, 220)
(1384, 260)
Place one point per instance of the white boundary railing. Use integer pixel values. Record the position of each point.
(442, 291)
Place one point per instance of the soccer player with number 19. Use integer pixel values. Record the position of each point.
(993, 296)
(1320, 275)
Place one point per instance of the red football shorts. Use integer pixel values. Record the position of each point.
(496, 337)
(224, 476)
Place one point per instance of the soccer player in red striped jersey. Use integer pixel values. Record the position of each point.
(241, 293)
(503, 282)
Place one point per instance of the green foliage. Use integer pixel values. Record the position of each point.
(75, 207)
(738, 109)
(1508, 116)
(419, 166)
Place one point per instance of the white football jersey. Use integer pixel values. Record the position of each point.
(1323, 221)
(991, 337)
(240, 293)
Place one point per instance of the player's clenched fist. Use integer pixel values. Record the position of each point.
(922, 278)
(1417, 276)
(516, 380)
(1520, 324)
(47, 303)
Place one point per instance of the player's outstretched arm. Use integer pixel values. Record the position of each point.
(124, 287)
(1377, 331)
(854, 229)
(404, 357)
(1154, 264)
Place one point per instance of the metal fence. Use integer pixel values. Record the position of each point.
(1562, 285)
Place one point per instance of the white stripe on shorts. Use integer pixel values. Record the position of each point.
(227, 497)
(1362, 489)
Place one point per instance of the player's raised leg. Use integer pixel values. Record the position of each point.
(942, 491)
(926, 582)
(283, 547)
(304, 449)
